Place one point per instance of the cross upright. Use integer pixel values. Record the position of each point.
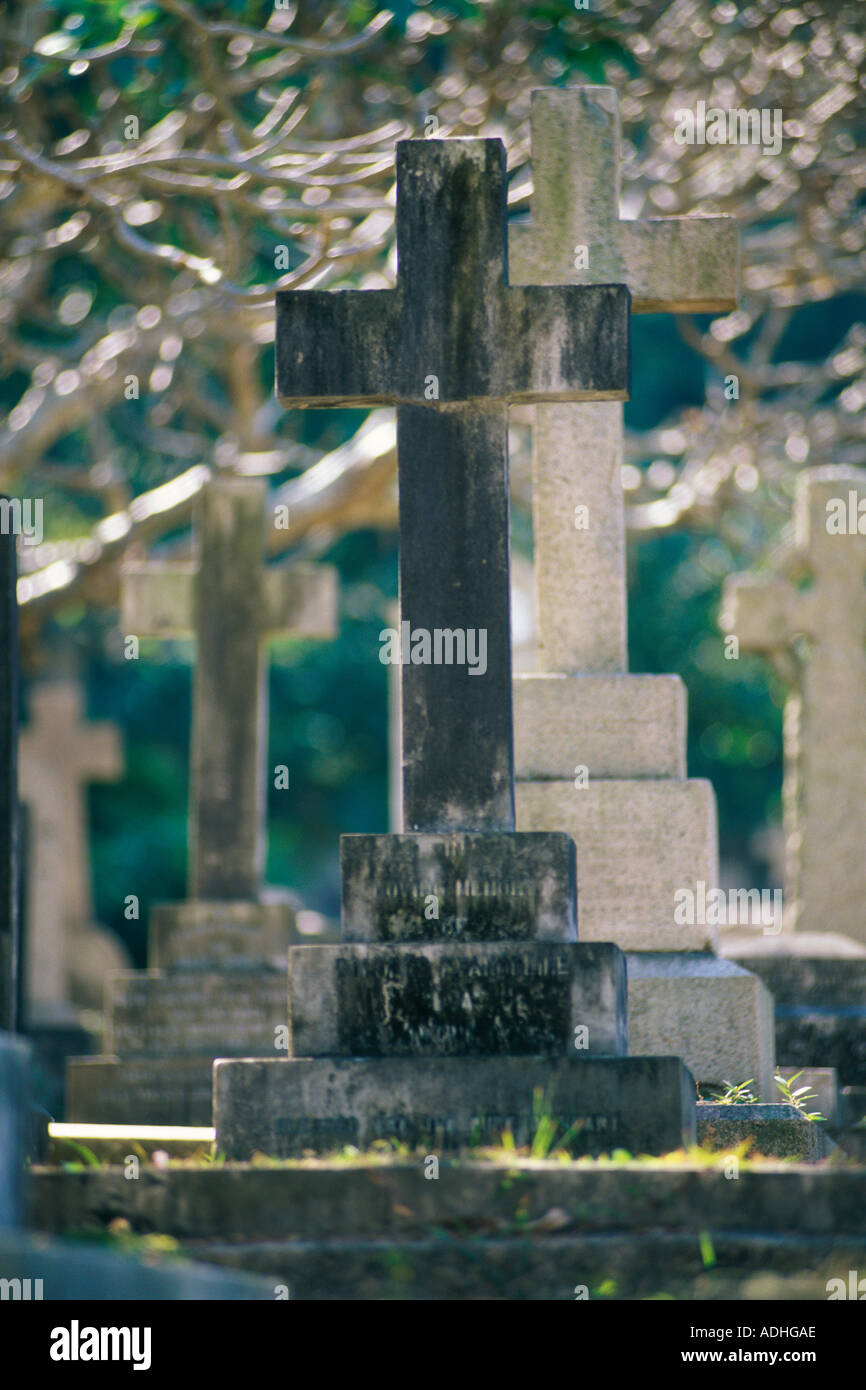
(232, 603)
(825, 718)
(59, 755)
(9, 935)
(451, 346)
(670, 265)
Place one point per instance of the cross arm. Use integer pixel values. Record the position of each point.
(566, 343)
(157, 600)
(680, 265)
(300, 600)
(337, 347)
(763, 612)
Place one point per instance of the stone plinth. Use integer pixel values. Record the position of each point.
(461, 887)
(493, 998)
(710, 1011)
(614, 727)
(645, 1104)
(221, 993)
(640, 842)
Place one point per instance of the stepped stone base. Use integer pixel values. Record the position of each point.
(283, 1107)
(167, 1028)
(616, 726)
(615, 1266)
(710, 1012)
(518, 1229)
(470, 887)
(218, 1013)
(483, 999)
(140, 1090)
(215, 933)
(639, 842)
(217, 989)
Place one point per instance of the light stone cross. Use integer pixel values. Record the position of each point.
(59, 754)
(232, 603)
(670, 265)
(823, 601)
(451, 346)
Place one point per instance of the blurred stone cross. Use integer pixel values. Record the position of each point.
(600, 753)
(60, 753)
(451, 346)
(232, 603)
(819, 596)
(670, 265)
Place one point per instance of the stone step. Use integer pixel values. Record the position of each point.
(559, 1268)
(282, 1108)
(616, 726)
(514, 1229)
(216, 933)
(638, 844)
(493, 998)
(208, 1012)
(140, 1090)
(385, 1197)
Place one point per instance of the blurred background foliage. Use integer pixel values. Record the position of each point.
(164, 166)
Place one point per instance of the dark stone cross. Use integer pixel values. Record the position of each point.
(9, 848)
(451, 347)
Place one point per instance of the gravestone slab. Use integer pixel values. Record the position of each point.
(216, 985)
(489, 998)
(281, 1108)
(459, 935)
(481, 887)
(601, 754)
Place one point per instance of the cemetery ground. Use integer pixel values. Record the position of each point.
(748, 1214)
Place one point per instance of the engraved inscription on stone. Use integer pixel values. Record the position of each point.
(513, 1005)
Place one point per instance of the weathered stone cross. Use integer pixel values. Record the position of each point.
(671, 265)
(825, 718)
(232, 603)
(9, 936)
(451, 346)
(59, 755)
